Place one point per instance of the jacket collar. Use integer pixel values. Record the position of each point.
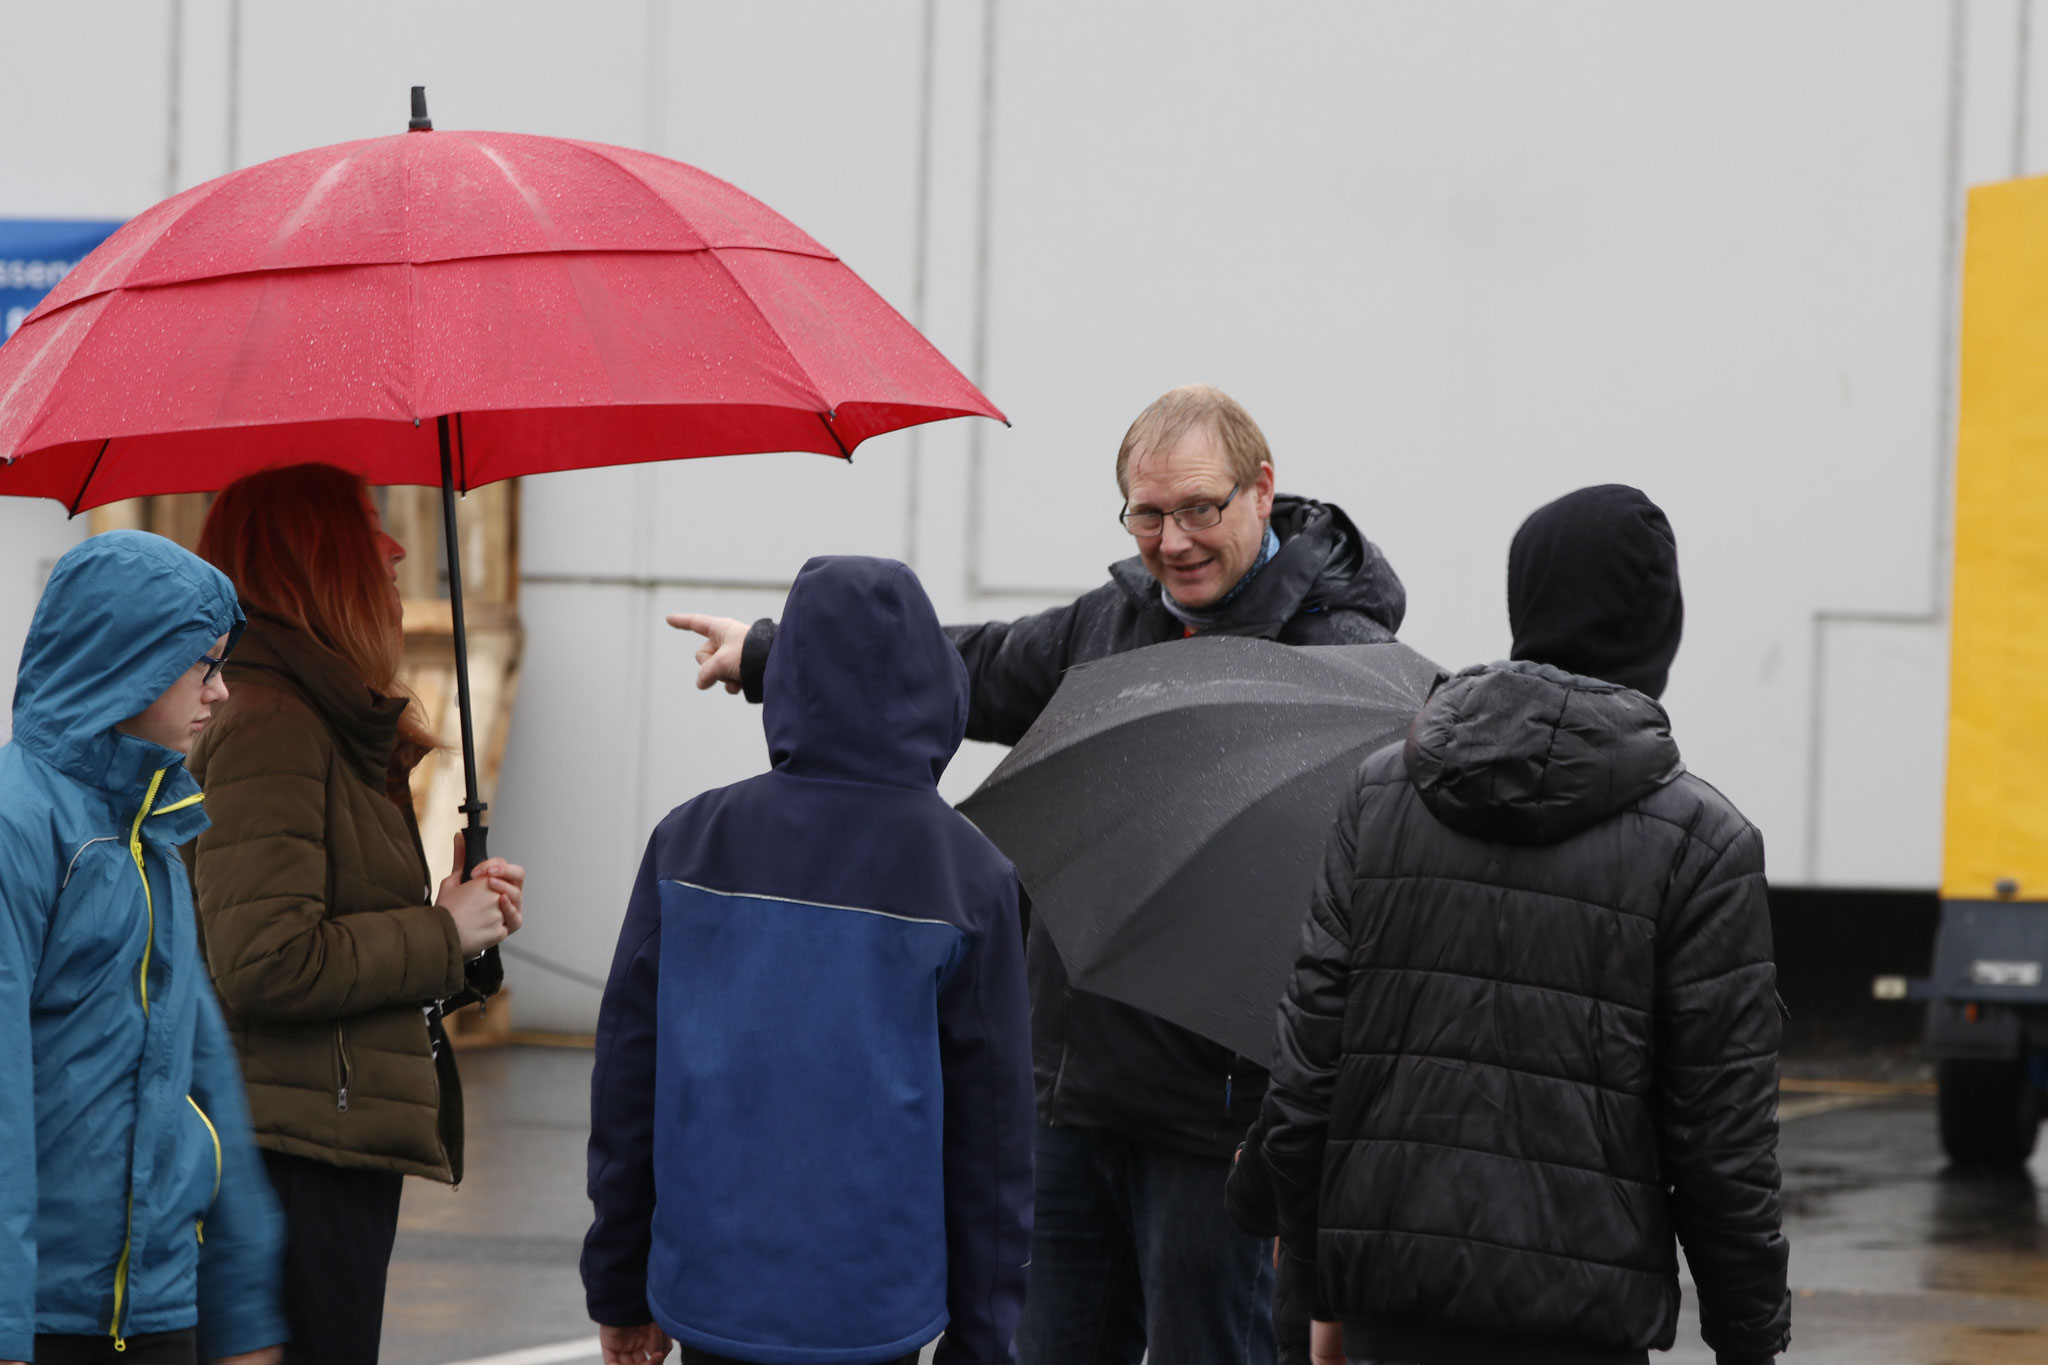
(364, 722)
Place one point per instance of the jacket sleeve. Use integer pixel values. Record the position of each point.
(261, 877)
(27, 884)
(1296, 1111)
(1248, 1192)
(240, 1259)
(1013, 668)
(622, 1117)
(1717, 1077)
(985, 1058)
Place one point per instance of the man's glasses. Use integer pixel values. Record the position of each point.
(213, 668)
(1196, 516)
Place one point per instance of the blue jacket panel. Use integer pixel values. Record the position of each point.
(811, 1111)
(137, 1203)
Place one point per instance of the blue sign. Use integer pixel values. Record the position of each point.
(35, 253)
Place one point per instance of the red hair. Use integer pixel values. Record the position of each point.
(297, 546)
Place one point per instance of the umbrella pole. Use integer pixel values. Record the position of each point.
(474, 834)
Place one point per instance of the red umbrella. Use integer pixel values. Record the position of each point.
(551, 304)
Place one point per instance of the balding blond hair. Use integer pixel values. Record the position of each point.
(1176, 412)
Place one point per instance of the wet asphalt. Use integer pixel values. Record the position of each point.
(1895, 1259)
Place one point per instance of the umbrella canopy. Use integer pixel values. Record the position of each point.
(551, 304)
(1168, 813)
(577, 305)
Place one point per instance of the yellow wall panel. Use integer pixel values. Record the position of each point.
(1997, 797)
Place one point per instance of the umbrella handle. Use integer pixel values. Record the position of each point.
(474, 835)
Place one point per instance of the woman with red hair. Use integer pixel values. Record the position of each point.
(331, 961)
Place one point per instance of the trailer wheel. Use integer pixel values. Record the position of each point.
(1990, 1113)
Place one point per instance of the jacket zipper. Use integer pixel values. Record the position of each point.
(142, 980)
(199, 1224)
(341, 1071)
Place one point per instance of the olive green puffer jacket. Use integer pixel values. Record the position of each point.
(313, 906)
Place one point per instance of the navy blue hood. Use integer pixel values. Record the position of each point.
(125, 613)
(863, 685)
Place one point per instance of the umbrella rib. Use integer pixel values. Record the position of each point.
(817, 390)
(542, 219)
(87, 481)
(844, 453)
(34, 424)
(826, 408)
(595, 151)
(412, 289)
(198, 195)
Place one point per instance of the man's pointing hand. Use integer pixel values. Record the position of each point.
(718, 658)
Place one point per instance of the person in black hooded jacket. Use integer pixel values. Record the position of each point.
(1140, 1117)
(1533, 1031)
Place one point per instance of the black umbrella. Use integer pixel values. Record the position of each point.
(1168, 813)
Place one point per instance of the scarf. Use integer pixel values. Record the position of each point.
(1209, 617)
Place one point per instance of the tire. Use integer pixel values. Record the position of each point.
(1990, 1113)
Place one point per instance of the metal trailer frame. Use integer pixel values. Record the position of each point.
(1987, 1026)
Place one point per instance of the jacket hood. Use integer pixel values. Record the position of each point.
(1593, 587)
(1324, 564)
(863, 685)
(125, 613)
(1523, 753)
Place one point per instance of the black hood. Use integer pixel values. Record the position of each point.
(1524, 753)
(1324, 564)
(1593, 587)
(863, 685)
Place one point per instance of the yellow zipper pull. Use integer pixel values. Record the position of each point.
(199, 1227)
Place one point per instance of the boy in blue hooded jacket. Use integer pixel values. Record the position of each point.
(811, 1113)
(134, 1217)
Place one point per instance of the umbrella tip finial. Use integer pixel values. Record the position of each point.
(420, 122)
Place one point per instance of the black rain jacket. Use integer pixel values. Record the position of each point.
(1533, 1034)
(1099, 1063)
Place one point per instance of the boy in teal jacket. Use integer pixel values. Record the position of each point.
(134, 1217)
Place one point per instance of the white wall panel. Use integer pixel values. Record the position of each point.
(85, 109)
(567, 806)
(315, 74)
(1884, 739)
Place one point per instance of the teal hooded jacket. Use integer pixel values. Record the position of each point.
(131, 1197)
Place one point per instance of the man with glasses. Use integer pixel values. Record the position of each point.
(1139, 1117)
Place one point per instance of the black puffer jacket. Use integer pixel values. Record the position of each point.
(1100, 1063)
(1532, 1034)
